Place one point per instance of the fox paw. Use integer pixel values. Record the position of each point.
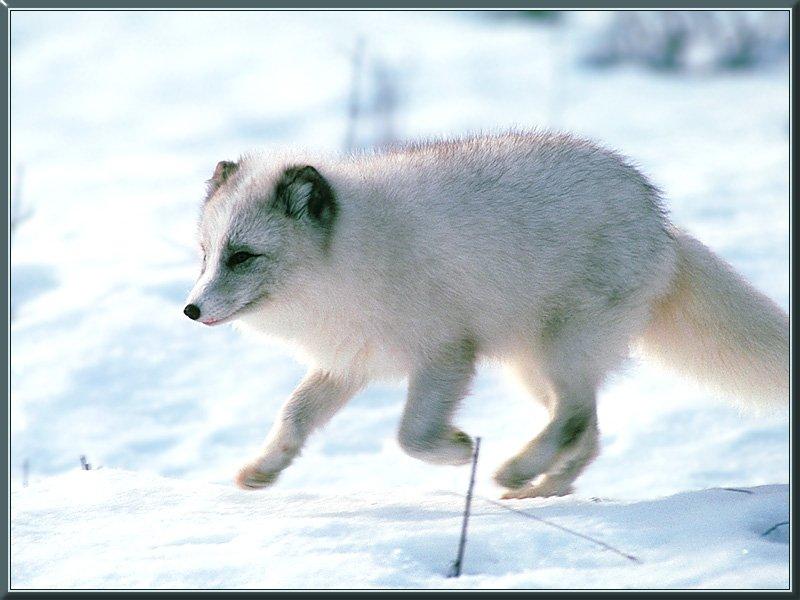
(251, 478)
(545, 489)
(453, 448)
(511, 476)
(460, 448)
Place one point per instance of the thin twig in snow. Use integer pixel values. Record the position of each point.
(774, 527)
(455, 570)
(354, 103)
(739, 490)
(19, 213)
(589, 538)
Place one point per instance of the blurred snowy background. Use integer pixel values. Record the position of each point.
(118, 118)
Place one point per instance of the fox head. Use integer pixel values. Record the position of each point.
(256, 231)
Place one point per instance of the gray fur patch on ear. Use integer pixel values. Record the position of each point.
(302, 193)
(222, 173)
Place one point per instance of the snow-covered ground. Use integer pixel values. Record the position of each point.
(131, 530)
(117, 120)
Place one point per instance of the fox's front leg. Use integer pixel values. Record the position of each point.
(312, 404)
(435, 388)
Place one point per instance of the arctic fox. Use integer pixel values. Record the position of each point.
(543, 251)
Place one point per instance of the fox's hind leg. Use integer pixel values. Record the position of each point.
(567, 467)
(562, 449)
(577, 346)
(435, 388)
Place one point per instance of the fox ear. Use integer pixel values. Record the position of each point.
(303, 194)
(222, 172)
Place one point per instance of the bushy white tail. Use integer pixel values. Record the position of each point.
(717, 329)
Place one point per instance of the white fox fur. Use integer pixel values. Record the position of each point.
(717, 329)
(539, 250)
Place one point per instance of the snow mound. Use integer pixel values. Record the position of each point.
(118, 529)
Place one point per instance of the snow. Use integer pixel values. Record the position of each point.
(118, 118)
(131, 530)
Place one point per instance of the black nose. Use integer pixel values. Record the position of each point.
(192, 312)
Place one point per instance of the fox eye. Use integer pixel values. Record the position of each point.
(239, 258)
